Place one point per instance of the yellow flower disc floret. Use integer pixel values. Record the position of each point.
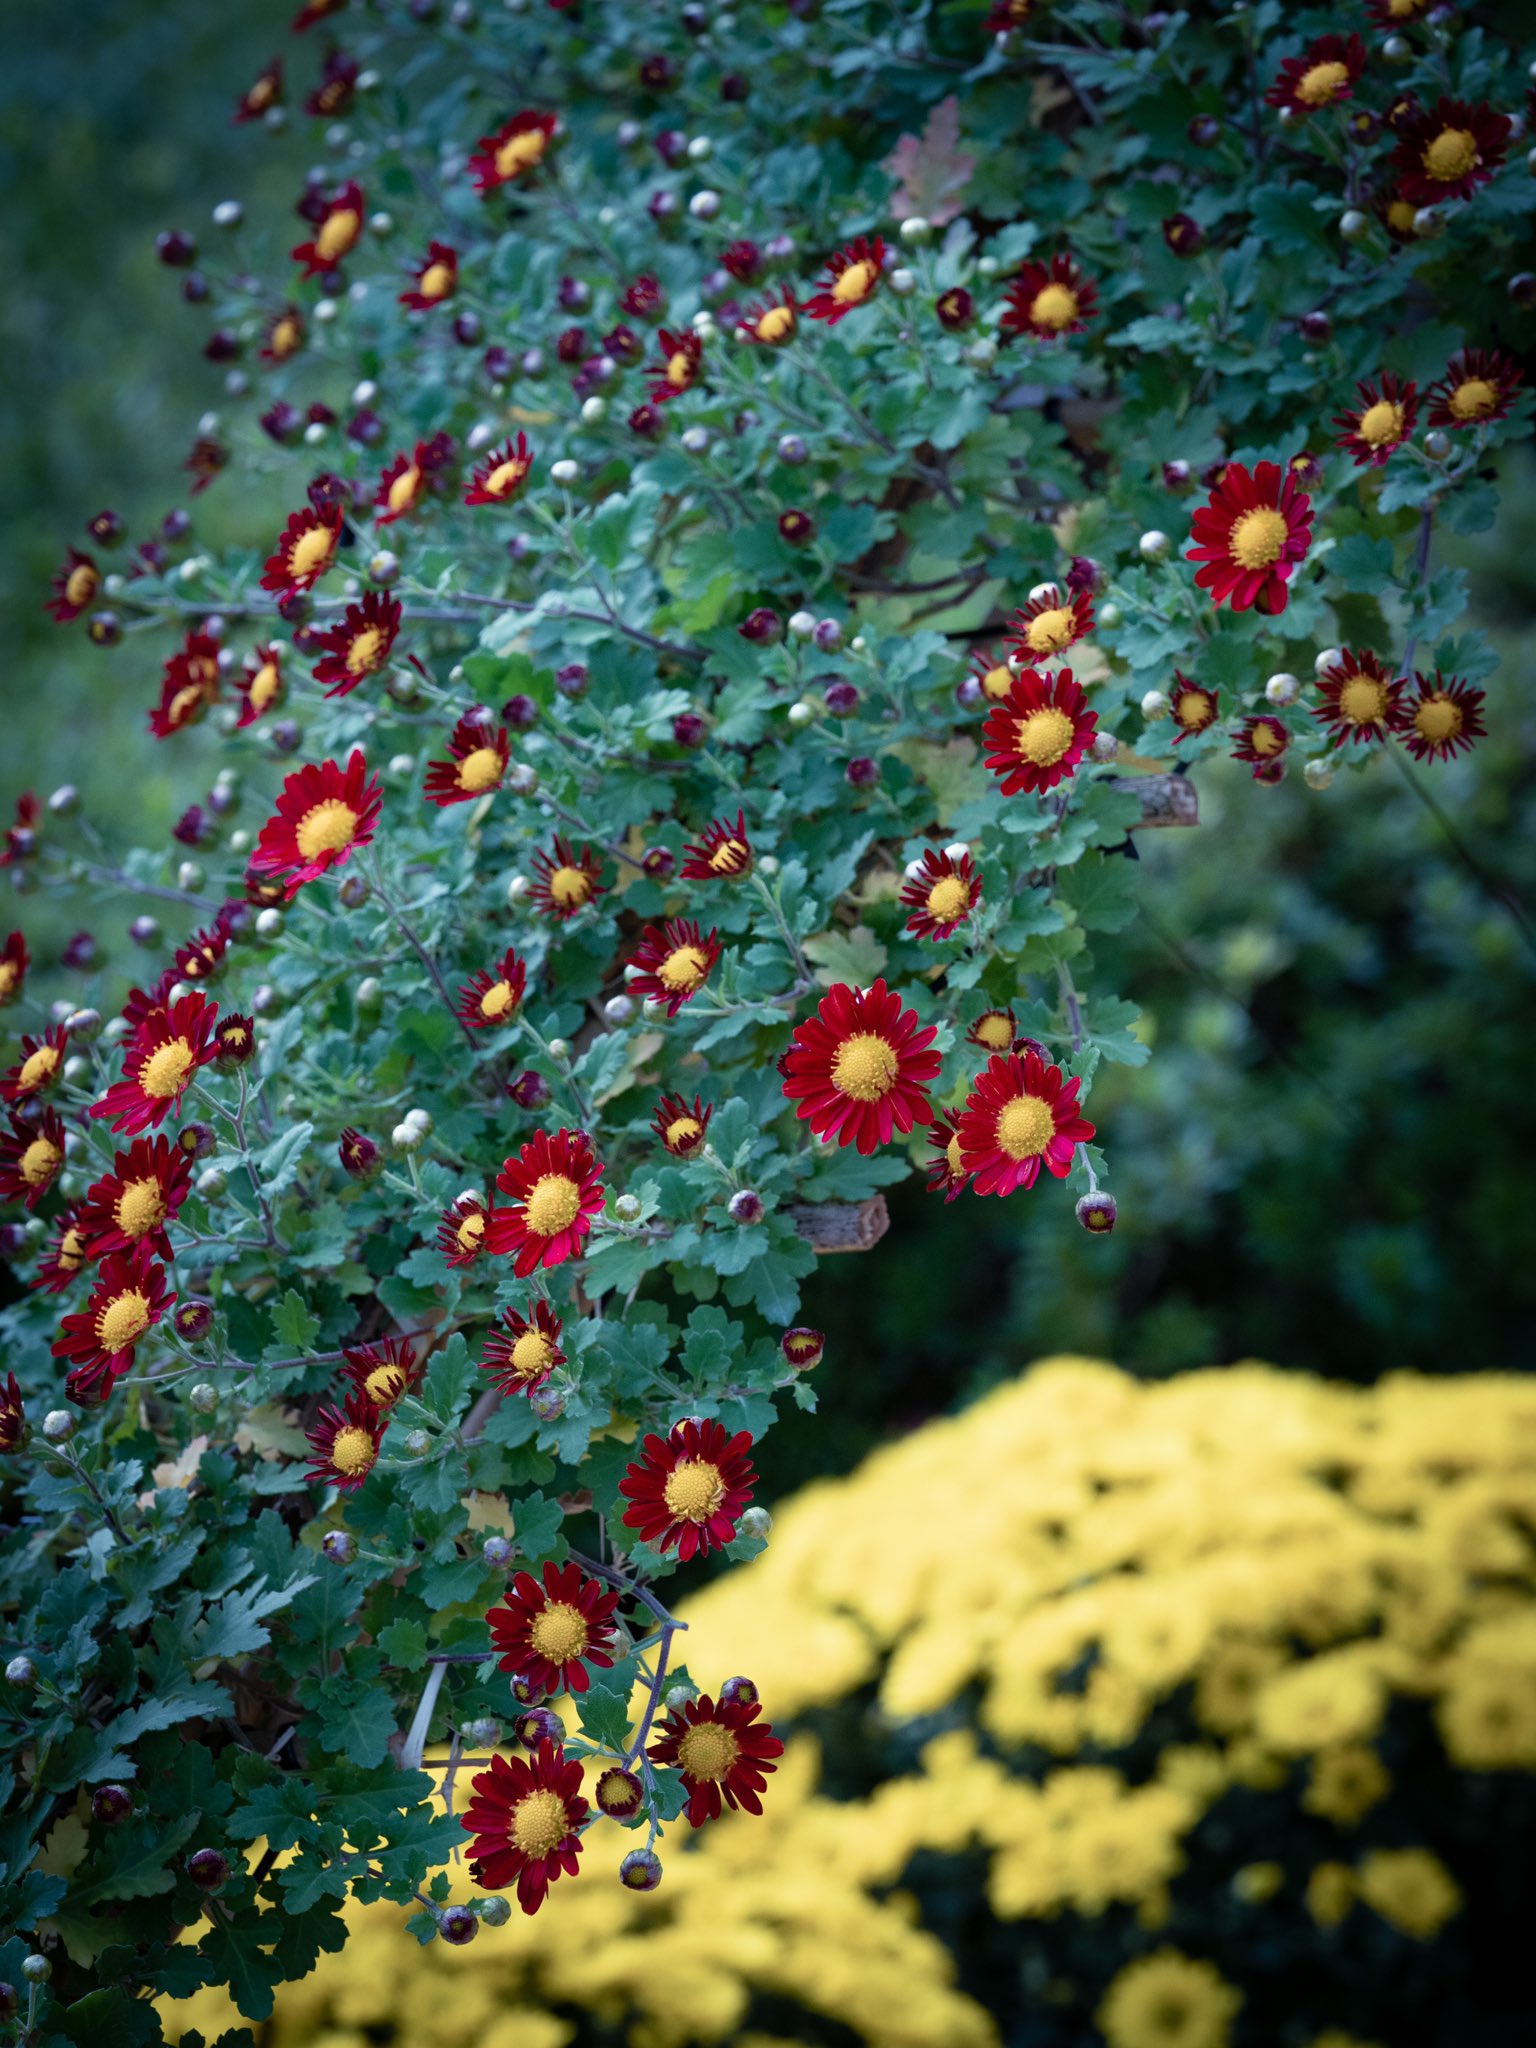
(865, 1067)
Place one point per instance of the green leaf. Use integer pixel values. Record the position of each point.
(294, 1329)
(277, 1167)
(403, 1643)
(1101, 892)
(536, 1523)
(855, 957)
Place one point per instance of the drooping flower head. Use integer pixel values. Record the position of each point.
(1444, 718)
(565, 882)
(1381, 423)
(1050, 623)
(129, 1298)
(135, 1201)
(495, 995)
(323, 815)
(1262, 742)
(682, 356)
(688, 1489)
(1251, 536)
(161, 1063)
(1393, 14)
(859, 1070)
(1020, 1115)
(525, 1350)
(942, 895)
(1050, 300)
(380, 1373)
(264, 92)
(498, 479)
(461, 1230)
(358, 1153)
(723, 1758)
(1478, 387)
(14, 962)
(13, 1415)
(1448, 150)
(345, 1442)
(20, 841)
(359, 644)
(66, 1253)
(947, 1171)
(401, 486)
(681, 1129)
(852, 279)
(1040, 732)
(306, 548)
(556, 1188)
(1326, 72)
(436, 278)
(1004, 15)
(31, 1157)
(722, 851)
(75, 584)
(261, 683)
(477, 761)
(514, 152)
(772, 321)
(40, 1065)
(672, 962)
(549, 1633)
(189, 684)
(526, 1817)
(992, 673)
(203, 954)
(336, 232)
(1360, 698)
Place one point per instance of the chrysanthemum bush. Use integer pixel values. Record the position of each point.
(1167, 1716)
(742, 524)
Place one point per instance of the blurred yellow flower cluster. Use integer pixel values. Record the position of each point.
(1073, 1551)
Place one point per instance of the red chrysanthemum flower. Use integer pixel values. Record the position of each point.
(261, 683)
(1193, 707)
(313, 11)
(688, 1489)
(681, 1129)
(1040, 732)
(162, 1060)
(1051, 623)
(1478, 387)
(852, 279)
(234, 1040)
(323, 814)
(557, 1188)
(802, 1347)
(1445, 718)
(129, 1298)
(1050, 300)
(526, 1817)
(1360, 698)
(21, 838)
(476, 765)
(336, 233)
(859, 1068)
(142, 1004)
(672, 962)
(947, 1170)
(549, 1634)
(437, 278)
(1019, 1116)
(565, 882)
(1394, 14)
(681, 357)
(345, 1442)
(772, 321)
(1448, 151)
(1251, 536)
(358, 1153)
(994, 1031)
(305, 550)
(188, 686)
(500, 477)
(1327, 71)
(514, 151)
(13, 1416)
(525, 1350)
(337, 88)
(380, 1373)
(1262, 742)
(14, 962)
(359, 644)
(284, 335)
(721, 1756)
(31, 1157)
(992, 673)
(133, 1203)
(643, 297)
(461, 1230)
(1383, 421)
(75, 584)
(401, 486)
(722, 851)
(66, 1253)
(942, 895)
(201, 956)
(1006, 14)
(264, 92)
(495, 995)
(41, 1062)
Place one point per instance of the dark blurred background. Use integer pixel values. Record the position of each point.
(1326, 1162)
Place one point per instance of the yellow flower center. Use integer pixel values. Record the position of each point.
(855, 283)
(504, 477)
(497, 999)
(560, 1632)
(364, 651)
(338, 231)
(694, 1490)
(531, 1354)
(540, 1823)
(480, 770)
(520, 152)
(1050, 632)
(1438, 719)
(311, 552)
(569, 886)
(1193, 708)
(352, 1450)
(1054, 306)
(679, 369)
(1400, 216)
(402, 492)
(284, 339)
(40, 1162)
(436, 281)
(140, 1208)
(37, 1067)
(71, 1250)
(1258, 538)
(1381, 424)
(778, 323)
(1322, 83)
(123, 1321)
(708, 1751)
(1265, 740)
(865, 1067)
(187, 699)
(952, 1157)
(1473, 399)
(553, 1204)
(81, 584)
(329, 827)
(684, 968)
(997, 682)
(995, 1030)
(683, 1132)
(1363, 701)
(10, 974)
(386, 1383)
(1451, 155)
(1043, 736)
(728, 854)
(265, 685)
(1025, 1127)
(949, 898)
(471, 1231)
(165, 1072)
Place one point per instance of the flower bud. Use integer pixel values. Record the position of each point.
(144, 931)
(203, 1398)
(193, 1318)
(1330, 657)
(407, 1137)
(211, 1183)
(1437, 445)
(36, 1969)
(417, 1443)
(862, 772)
(916, 232)
(111, 1804)
(1281, 690)
(565, 472)
(529, 1090)
(358, 1153)
(756, 1523)
(679, 1696)
(745, 1206)
(20, 1671)
(208, 1870)
(1154, 546)
(792, 449)
(497, 1552)
(337, 1546)
(458, 1925)
(1353, 224)
(1096, 1212)
(1154, 705)
(739, 1692)
(800, 625)
(1318, 774)
(495, 1912)
(1105, 746)
(982, 352)
(626, 1208)
(640, 1871)
(619, 1009)
(58, 1426)
(802, 1348)
(619, 1793)
(547, 1402)
(538, 1725)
